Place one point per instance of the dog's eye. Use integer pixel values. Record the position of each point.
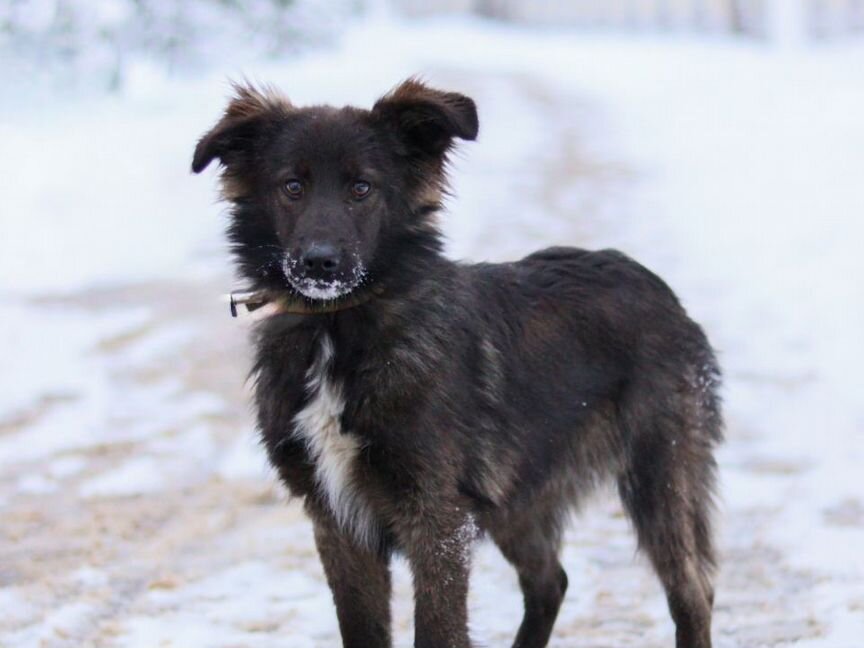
(360, 189)
(294, 188)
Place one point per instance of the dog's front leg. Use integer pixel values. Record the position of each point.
(440, 555)
(360, 581)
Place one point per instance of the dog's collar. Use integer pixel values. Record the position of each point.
(280, 304)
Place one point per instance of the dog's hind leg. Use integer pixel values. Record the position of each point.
(667, 491)
(360, 581)
(531, 546)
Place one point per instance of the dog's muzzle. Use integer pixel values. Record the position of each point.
(322, 273)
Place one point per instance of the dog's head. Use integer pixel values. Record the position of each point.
(324, 198)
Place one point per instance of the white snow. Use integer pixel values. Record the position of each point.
(245, 459)
(132, 478)
(732, 169)
(323, 290)
(219, 618)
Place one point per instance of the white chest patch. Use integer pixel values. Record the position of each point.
(335, 453)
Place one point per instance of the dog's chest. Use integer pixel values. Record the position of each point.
(333, 451)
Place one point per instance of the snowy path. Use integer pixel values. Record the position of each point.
(135, 508)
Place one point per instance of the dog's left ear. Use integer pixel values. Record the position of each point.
(426, 119)
(246, 116)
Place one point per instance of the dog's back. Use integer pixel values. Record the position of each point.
(576, 354)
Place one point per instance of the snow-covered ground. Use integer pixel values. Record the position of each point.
(136, 509)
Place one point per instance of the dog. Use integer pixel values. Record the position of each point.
(416, 404)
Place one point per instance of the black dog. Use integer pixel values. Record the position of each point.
(416, 403)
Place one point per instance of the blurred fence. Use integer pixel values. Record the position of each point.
(813, 19)
(737, 16)
(97, 38)
(832, 18)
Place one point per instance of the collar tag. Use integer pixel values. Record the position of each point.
(253, 301)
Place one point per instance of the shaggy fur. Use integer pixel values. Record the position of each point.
(449, 400)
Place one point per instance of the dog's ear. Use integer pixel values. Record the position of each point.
(247, 114)
(426, 119)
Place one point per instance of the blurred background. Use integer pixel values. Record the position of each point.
(720, 142)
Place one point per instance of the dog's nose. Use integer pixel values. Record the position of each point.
(320, 260)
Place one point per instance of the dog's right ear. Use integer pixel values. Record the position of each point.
(247, 114)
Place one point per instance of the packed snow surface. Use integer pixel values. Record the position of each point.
(137, 509)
